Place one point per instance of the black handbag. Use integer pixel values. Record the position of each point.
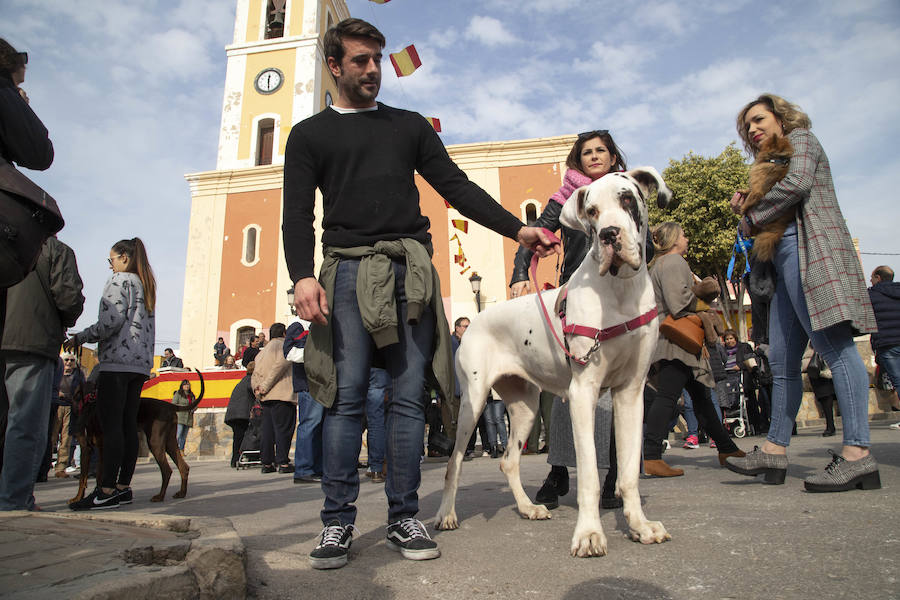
(28, 216)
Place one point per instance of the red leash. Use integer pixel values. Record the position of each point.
(598, 335)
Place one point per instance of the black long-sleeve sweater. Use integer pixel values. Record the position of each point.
(364, 164)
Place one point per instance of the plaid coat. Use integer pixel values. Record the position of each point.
(830, 270)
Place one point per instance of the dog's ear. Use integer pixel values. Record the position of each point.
(648, 179)
(573, 214)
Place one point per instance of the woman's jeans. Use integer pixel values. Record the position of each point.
(181, 434)
(308, 447)
(789, 331)
(405, 362)
(379, 385)
(495, 422)
(673, 376)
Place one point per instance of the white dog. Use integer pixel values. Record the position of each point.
(511, 349)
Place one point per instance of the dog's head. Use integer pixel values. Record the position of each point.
(613, 212)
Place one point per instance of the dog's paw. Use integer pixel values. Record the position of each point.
(447, 522)
(179, 494)
(589, 543)
(650, 532)
(535, 512)
(157, 498)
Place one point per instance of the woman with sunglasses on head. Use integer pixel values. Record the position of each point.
(126, 334)
(593, 155)
(820, 296)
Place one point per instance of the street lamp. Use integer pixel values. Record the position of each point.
(475, 280)
(290, 295)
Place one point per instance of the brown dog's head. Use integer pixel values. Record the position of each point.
(613, 212)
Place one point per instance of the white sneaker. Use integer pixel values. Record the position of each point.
(894, 426)
(71, 470)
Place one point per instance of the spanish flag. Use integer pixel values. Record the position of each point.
(406, 61)
(461, 224)
(435, 122)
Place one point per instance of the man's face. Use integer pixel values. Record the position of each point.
(461, 328)
(359, 72)
(68, 365)
(169, 353)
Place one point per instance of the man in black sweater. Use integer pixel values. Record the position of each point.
(362, 156)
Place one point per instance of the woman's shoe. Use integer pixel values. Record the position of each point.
(841, 475)
(556, 485)
(737, 453)
(268, 469)
(828, 432)
(659, 468)
(772, 466)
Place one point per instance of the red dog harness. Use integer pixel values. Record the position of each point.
(598, 335)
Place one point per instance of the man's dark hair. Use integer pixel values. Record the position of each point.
(333, 41)
(459, 321)
(10, 59)
(276, 331)
(884, 272)
(169, 350)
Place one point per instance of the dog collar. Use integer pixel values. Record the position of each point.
(779, 161)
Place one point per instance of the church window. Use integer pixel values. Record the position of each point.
(275, 11)
(250, 255)
(243, 336)
(530, 210)
(265, 141)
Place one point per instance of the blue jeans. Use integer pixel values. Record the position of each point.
(181, 433)
(29, 381)
(890, 361)
(689, 417)
(379, 384)
(495, 423)
(789, 331)
(308, 447)
(405, 362)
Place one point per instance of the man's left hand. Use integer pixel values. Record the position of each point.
(538, 241)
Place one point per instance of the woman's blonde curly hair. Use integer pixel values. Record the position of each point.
(789, 114)
(664, 237)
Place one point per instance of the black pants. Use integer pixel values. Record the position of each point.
(482, 431)
(239, 427)
(279, 419)
(673, 376)
(118, 400)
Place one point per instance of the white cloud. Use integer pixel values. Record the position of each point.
(489, 31)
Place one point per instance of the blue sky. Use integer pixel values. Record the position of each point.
(132, 93)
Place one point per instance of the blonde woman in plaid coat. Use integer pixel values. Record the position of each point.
(820, 295)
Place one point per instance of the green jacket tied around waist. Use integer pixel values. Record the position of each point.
(378, 308)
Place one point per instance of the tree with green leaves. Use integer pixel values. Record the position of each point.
(703, 187)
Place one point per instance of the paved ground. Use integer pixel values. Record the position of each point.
(732, 536)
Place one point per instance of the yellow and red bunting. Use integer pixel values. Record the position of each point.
(406, 61)
(461, 224)
(436, 123)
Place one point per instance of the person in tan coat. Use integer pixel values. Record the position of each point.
(272, 384)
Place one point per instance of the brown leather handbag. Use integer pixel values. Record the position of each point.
(686, 332)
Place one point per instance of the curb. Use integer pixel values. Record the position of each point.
(205, 560)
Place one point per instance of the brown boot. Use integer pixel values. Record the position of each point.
(658, 468)
(737, 453)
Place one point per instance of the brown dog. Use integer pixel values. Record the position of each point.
(770, 167)
(156, 418)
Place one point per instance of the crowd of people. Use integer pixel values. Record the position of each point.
(378, 355)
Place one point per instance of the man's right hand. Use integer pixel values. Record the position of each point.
(310, 301)
(520, 288)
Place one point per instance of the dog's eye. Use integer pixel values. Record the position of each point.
(592, 212)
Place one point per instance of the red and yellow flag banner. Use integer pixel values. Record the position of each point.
(461, 224)
(436, 123)
(406, 61)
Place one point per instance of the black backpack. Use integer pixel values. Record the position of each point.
(28, 216)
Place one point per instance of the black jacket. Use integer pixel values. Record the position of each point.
(23, 138)
(242, 399)
(41, 307)
(575, 246)
(885, 298)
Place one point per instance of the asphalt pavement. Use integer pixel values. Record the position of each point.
(732, 537)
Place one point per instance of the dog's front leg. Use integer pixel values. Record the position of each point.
(628, 412)
(589, 539)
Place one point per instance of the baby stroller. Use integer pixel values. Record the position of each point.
(250, 446)
(730, 394)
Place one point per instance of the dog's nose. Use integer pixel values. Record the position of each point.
(609, 234)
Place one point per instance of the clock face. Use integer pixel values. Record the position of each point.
(269, 81)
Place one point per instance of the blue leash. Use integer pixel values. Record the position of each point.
(743, 245)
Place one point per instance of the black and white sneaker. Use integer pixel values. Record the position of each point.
(125, 496)
(410, 538)
(334, 546)
(96, 500)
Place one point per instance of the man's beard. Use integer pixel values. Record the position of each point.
(360, 93)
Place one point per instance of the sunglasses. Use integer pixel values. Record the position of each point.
(68, 360)
(592, 134)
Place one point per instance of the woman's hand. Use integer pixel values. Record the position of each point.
(520, 288)
(737, 202)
